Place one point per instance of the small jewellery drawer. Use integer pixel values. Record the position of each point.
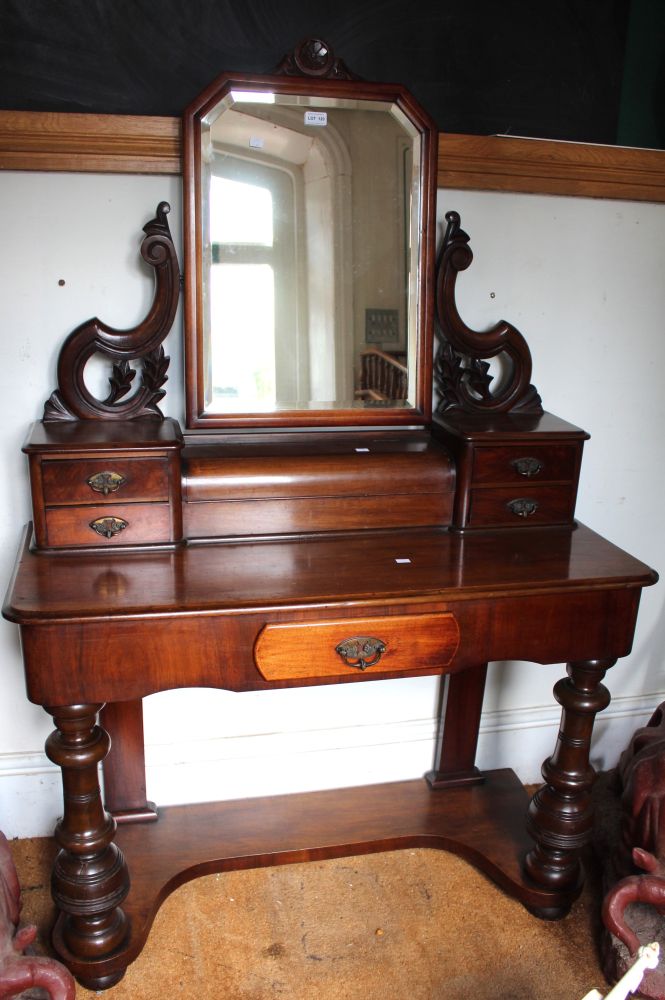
(507, 507)
(130, 524)
(525, 464)
(104, 480)
(373, 646)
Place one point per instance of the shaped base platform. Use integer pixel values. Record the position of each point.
(482, 823)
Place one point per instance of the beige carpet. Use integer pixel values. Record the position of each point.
(408, 925)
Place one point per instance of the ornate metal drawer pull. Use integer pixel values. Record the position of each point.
(361, 651)
(523, 507)
(527, 466)
(105, 482)
(109, 526)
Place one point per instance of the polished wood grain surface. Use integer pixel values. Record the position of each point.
(498, 466)
(290, 650)
(491, 508)
(121, 436)
(293, 516)
(143, 523)
(496, 428)
(67, 482)
(357, 470)
(335, 571)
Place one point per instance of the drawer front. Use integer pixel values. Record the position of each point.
(231, 518)
(133, 524)
(507, 507)
(525, 464)
(369, 646)
(104, 480)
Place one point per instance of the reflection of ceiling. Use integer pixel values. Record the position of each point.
(244, 131)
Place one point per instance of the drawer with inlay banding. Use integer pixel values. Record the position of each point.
(371, 646)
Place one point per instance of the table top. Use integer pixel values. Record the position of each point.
(338, 571)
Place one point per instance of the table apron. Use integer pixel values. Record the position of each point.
(125, 658)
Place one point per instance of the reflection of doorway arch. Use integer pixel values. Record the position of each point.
(328, 180)
(319, 162)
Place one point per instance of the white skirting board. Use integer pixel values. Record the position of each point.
(283, 762)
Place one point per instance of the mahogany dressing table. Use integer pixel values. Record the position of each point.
(350, 537)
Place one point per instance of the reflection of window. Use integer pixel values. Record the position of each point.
(252, 278)
(242, 291)
(240, 213)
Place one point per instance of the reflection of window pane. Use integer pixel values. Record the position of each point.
(240, 213)
(243, 334)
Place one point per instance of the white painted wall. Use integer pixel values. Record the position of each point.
(583, 281)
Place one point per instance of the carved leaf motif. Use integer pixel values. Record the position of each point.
(55, 409)
(155, 367)
(479, 379)
(453, 372)
(121, 381)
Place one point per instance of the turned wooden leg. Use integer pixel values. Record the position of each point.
(124, 768)
(90, 878)
(560, 816)
(455, 760)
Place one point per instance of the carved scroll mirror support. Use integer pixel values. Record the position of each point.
(461, 367)
(73, 400)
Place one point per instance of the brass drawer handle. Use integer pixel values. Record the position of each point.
(527, 466)
(105, 482)
(109, 526)
(361, 651)
(523, 507)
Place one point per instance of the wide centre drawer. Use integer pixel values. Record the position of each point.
(376, 645)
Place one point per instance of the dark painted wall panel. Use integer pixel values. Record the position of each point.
(522, 67)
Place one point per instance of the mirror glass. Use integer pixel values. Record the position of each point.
(309, 207)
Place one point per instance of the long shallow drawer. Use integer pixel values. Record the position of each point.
(359, 471)
(525, 463)
(373, 646)
(104, 480)
(508, 507)
(233, 518)
(134, 524)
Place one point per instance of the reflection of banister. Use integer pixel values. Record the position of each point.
(382, 376)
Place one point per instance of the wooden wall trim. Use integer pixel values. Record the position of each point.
(542, 166)
(33, 140)
(125, 144)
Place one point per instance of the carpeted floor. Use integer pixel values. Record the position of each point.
(408, 925)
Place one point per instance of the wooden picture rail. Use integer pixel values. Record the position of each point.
(33, 140)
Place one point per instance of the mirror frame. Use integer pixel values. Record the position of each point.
(330, 79)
